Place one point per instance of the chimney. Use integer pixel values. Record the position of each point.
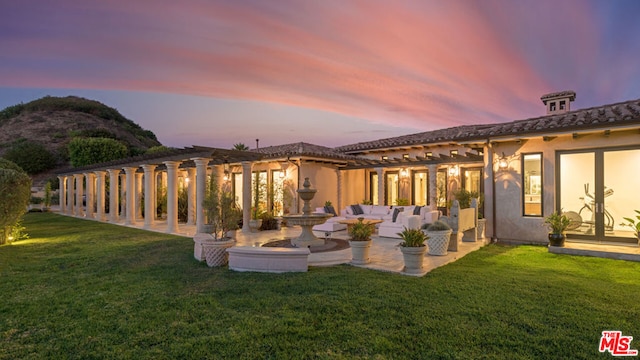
(558, 102)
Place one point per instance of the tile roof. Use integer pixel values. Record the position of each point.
(611, 115)
(302, 149)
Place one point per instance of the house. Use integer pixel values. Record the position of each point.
(584, 162)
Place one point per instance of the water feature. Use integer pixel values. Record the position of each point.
(306, 220)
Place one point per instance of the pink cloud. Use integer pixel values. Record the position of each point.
(415, 64)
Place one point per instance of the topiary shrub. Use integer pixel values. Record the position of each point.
(15, 193)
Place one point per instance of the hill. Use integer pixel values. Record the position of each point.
(53, 121)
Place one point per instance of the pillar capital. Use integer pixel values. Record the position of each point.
(201, 161)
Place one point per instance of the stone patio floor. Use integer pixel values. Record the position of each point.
(384, 254)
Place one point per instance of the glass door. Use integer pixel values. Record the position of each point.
(597, 190)
(392, 187)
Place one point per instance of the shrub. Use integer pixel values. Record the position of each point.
(438, 226)
(87, 151)
(31, 156)
(361, 231)
(412, 238)
(15, 193)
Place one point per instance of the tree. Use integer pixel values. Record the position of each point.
(87, 151)
(31, 156)
(15, 192)
(240, 146)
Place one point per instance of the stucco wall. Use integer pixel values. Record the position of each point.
(324, 179)
(511, 225)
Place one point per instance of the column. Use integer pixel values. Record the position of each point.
(123, 195)
(79, 187)
(114, 176)
(70, 195)
(339, 180)
(138, 195)
(246, 196)
(191, 196)
(90, 180)
(130, 206)
(433, 187)
(62, 193)
(172, 196)
(201, 185)
(100, 192)
(149, 195)
(381, 190)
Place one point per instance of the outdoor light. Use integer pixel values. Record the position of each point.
(282, 174)
(453, 170)
(226, 171)
(502, 162)
(186, 180)
(404, 173)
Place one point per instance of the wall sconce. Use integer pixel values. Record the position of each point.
(453, 170)
(226, 171)
(186, 180)
(282, 174)
(404, 173)
(503, 164)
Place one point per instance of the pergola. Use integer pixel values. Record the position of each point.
(128, 174)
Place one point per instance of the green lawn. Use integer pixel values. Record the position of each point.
(82, 289)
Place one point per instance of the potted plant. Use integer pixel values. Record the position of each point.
(464, 198)
(360, 242)
(223, 217)
(633, 224)
(256, 219)
(557, 224)
(413, 249)
(439, 234)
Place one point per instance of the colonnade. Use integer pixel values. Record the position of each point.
(85, 194)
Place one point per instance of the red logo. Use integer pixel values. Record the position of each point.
(616, 344)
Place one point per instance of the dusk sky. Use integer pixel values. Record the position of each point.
(215, 73)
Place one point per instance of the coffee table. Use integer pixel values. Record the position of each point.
(351, 222)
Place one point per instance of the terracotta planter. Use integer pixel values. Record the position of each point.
(360, 252)
(413, 259)
(215, 252)
(438, 242)
(556, 240)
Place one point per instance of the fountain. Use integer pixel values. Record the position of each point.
(306, 220)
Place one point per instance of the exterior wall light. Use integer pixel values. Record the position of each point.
(404, 173)
(502, 163)
(453, 170)
(226, 171)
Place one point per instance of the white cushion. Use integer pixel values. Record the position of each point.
(366, 209)
(379, 210)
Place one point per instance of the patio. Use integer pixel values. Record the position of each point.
(384, 253)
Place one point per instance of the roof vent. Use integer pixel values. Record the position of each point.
(558, 102)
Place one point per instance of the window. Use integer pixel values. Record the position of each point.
(532, 184)
(453, 152)
(563, 104)
(441, 189)
(420, 188)
(373, 188)
(405, 156)
(276, 192)
(428, 154)
(552, 106)
(236, 179)
(385, 157)
(259, 191)
(392, 184)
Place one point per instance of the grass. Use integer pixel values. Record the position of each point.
(82, 289)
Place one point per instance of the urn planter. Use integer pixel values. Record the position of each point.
(438, 242)
(360, 252)
(413, 259)
(556, 240)
(215, 252)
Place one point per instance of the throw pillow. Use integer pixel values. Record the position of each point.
(330, 210)
(416, 210)
(357, 210)
(396, 212)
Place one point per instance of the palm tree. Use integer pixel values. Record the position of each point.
(240, 146)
